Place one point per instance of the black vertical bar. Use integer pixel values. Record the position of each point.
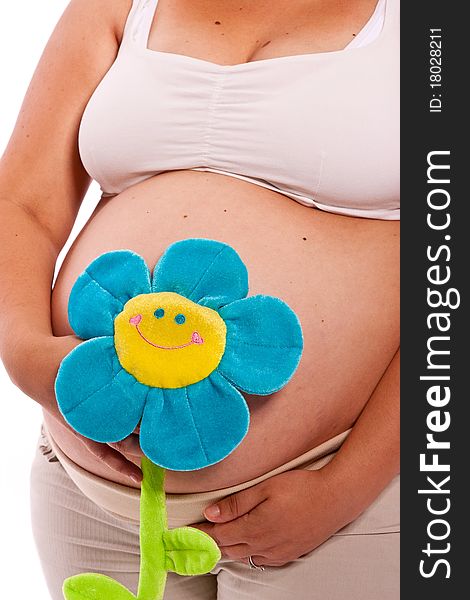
(434, 119)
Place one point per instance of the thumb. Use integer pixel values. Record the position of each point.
(236, 505)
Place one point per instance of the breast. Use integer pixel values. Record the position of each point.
(339, 274)
(337, 117)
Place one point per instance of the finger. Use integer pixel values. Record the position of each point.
(239, 531)
(223, 535)
(236, 505)
(114, 460)
(258, 560)
(128, 446)
(237, 552)
(204, 527)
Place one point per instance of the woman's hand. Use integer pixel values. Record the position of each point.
(37, 364)
(278, 520)
(285, 517)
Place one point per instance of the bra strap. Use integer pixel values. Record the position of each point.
(391, 19)
(139, 22)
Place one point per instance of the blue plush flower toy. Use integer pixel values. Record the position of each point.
(172, 351)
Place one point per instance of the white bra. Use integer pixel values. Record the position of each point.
(321, 128)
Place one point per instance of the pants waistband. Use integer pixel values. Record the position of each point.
(183, 509)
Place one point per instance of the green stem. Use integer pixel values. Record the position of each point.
(153, 522)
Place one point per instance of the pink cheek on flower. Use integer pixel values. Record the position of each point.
(196, 338)
(135, 320)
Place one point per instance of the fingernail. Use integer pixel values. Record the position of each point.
(135, 478)
(212, 512)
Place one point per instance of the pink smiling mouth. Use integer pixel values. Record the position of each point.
(195, 338)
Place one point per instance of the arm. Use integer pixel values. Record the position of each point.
(42, 184)
(370, 457)
(291, 514)
(42, 180)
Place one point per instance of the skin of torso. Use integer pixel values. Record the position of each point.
(339, 274)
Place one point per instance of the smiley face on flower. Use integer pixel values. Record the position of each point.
(178, 343)
(171, 351)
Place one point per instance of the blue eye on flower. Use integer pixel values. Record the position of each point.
(181, 383)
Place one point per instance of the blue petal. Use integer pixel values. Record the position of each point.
(197, 426)
(264, 344)
(97, 397)
(103, 288)
(205, 271)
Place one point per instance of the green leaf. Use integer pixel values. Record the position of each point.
(189, 551)
(93, 586)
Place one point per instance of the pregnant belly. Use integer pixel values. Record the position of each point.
(339, 274)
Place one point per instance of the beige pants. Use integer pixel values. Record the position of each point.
(74, 535)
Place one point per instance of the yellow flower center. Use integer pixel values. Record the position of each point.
(165, 340)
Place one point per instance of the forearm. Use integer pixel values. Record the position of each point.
(370, 457)
(27, 261)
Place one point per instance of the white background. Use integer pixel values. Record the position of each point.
(24, 30)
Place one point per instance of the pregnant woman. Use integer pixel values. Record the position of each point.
(273, 127)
